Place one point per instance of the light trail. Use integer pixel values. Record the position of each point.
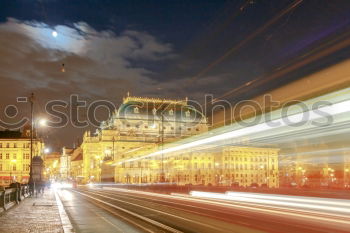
(216, 199)
(331, 110)
(290, 202)
(314, 200)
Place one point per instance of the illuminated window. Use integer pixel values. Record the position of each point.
(7, 156)
(171, 112)
(14, 167)
(15, 145)
(7, 145)
(136, 110)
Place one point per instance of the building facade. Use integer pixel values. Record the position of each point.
(15, 155)
(65, 163)
(141, 126)
(52, 166)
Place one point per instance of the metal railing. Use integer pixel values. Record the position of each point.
(12, 196)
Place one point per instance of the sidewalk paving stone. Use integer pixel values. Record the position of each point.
(34, 214)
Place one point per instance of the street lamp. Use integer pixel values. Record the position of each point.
(41, 122)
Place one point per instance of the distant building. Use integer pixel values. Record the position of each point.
(76, 165)
(246, 166)
(52, 165)
(15, 155)
(65, 163)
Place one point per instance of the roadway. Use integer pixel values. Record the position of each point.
(121, 210)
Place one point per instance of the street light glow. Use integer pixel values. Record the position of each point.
(43, 122)
(47, 150)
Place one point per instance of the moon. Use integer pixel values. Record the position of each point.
(54, 34)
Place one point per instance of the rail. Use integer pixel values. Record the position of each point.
(13, 196)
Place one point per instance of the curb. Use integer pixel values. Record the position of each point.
(66, 223)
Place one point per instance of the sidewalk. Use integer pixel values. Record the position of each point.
(41, 214)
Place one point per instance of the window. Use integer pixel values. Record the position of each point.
(7, 145)
(136, 110)
(0, 155)
(14, 145)
(187, 113)
(7, 156)
(171, 112)
(0, 167)
(14, 167)
(14, 156)
(0, 145)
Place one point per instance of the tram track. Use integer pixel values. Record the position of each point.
(169, 211)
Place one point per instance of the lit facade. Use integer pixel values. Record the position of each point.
(145, 125)
(65, 163)
(76, 166)
(15, 155)
(139, 126)
(52, 166)
(246, 166)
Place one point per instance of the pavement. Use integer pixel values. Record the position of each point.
(87, 217)
(36, 214)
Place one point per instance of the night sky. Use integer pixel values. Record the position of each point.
(169, 49)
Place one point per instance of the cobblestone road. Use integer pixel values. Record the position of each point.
(39, 215)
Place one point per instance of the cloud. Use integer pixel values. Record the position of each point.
(98, 64)
(33, 54)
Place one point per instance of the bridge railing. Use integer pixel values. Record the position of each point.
(12, 196)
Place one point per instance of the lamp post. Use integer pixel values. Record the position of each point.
(42, 122)
(31, 99)
(162, 176)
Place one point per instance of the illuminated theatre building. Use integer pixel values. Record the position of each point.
(142, 126)
(15, 155)
(139, 127)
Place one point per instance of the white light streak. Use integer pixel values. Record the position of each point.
(332, 110)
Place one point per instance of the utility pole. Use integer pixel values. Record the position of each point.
(113, 149)
(162, 141)
(31, 99)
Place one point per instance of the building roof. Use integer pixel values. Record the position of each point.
(77, 157)
(150, 108)
(11, 134)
